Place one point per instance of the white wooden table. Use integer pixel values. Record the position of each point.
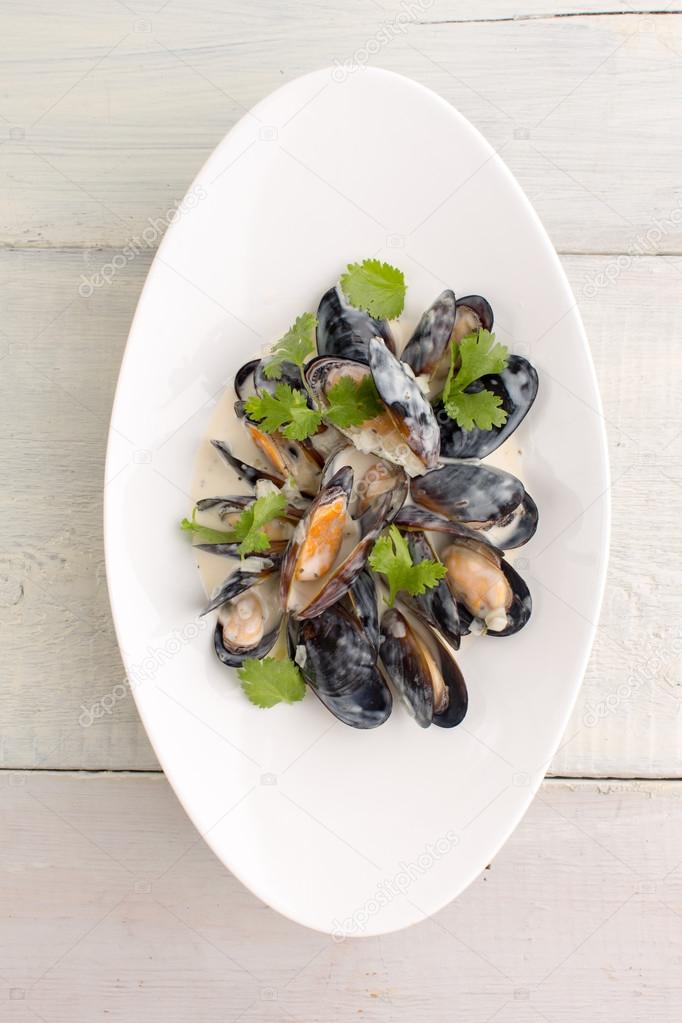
(111, 907)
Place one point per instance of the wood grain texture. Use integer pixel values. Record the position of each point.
(62, 353)
(578, 918)
(107, 109)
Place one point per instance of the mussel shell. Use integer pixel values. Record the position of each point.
(393, 475)
(244, 383)
(238, 502)
(251, 379)
(472, 494)
(361, 600)
(407, 669)
(344, 331)
(521, 607)
(431, 338)
(414, 517)
(239, 582)
(340, 667)
(409, 408)
(234, 657)
(437, 606)
(519, 529)
(297, 459)
(481, 306)
(516, 386)
(243, 470)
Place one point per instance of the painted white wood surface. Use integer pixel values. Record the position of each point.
(108, 108)
(578, 919)
(111, 906)
(56, 384)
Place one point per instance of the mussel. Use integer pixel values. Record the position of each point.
(481, 497)
(431, 339)
(338, 661)
(489, 591)
(437, 606)
(251, 378)
(406, 434)
(297, 460)
(372, 478)
(423, 669)
(516, 386)
(228, 510)
(345, 332)
(329, 549)
(249, 615)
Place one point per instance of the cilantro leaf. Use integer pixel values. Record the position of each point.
(351, 404)
(270, 681)
(247, 529)
(296, 345)
(205, 533)
(285, 410)
(378, 288)
(391, 556)
(482, 409)
(477, 355)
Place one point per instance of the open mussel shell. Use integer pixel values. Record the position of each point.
(372, 478)
(489, 581)
(234, 656)
(389, 435)
(437, 606)
(248, 622)
(338, 662)
(297, 460)
(250, 473)
(431, 338)
(410, 411)
(228, 508)
(516, 386)
(251, 379)
(311, 579)
(239, 582)
(361, 600)
(345, 332)
(423, 670)
(477, 495)
(474, 313)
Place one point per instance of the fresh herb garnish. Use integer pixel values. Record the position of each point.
(352, 404)
(378, 288)
(391, 556)
(478, 355)
(286, 410)
(248, 529)
(296, 345)
(271, 681)
(349, 403)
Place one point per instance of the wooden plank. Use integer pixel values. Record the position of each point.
(112, 905)
(106, 114)
(62, 353)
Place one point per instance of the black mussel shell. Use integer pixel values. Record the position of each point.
(516, 386)
(429, 342)
(234, 657)
(244, 383)
(344, 331)
(472, 494)
(519, 529)
(521, 606)
(410, 410)
(405, 665)
(361, 599)
(243, 470)
(339, 665)
(239, 582)
(436, 606)
(481, 306)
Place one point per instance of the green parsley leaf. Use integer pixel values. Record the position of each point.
(478, 355)
(286, 410)
(248, 527)
(378, 288)
(296, 345)
(270, 681)
(352, 404)
(391, 556)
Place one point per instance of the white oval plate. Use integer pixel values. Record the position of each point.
(347, 831)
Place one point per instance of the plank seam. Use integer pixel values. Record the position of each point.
(653, 12)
